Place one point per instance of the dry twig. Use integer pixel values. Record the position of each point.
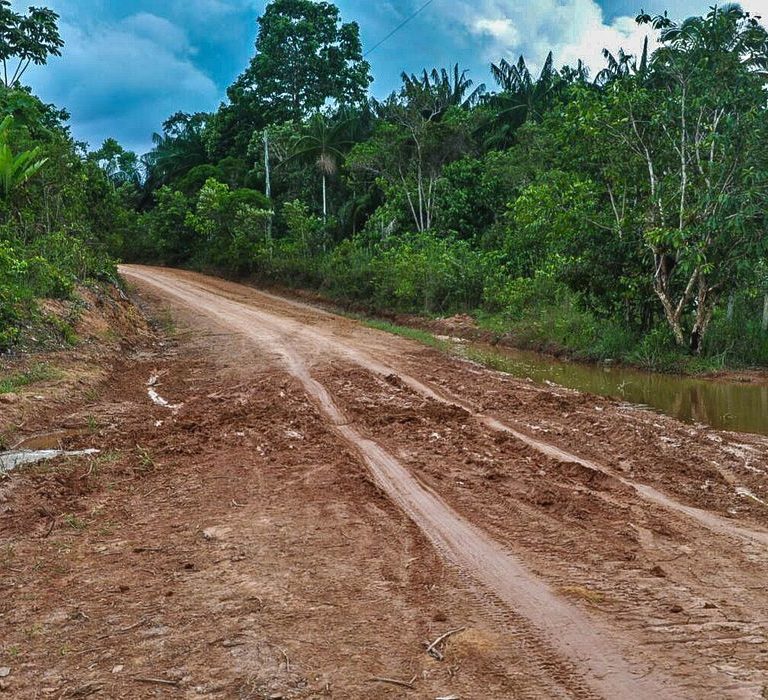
(50, 529)
(432, 649)
(159, 681)
(394, 681)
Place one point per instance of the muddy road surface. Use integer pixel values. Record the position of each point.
(288, 504)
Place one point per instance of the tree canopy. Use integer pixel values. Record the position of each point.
(305, 59)
(612, 214)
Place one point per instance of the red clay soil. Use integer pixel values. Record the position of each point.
(319, 501)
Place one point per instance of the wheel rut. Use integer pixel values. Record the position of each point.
(581, 656)
(290, 329)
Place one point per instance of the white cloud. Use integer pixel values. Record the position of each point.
(502, 31)
(572, 29)
(157, 30)
(756, 7)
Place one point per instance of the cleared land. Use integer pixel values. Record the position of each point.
(318, 500)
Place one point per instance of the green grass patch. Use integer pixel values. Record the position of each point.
(37, 373)
(420, 336)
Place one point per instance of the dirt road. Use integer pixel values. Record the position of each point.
(584, 548)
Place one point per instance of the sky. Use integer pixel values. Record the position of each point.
(129, 64)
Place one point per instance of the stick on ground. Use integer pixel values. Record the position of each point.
(432, 649)
(160, 681)
(394, 681)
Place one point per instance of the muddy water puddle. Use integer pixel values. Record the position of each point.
(722, 405)
(48, 441)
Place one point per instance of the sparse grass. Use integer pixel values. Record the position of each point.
(35, 630)
(7, 555)
(107, 529)
(37, 373)
(491, 360)
(71, 520)
(166, 321)
(64, 328)
(416, 334)
(91, 394)
(146, 461)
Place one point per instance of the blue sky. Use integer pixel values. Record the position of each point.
(128, 64)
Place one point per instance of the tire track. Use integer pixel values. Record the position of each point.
(711, 521)
(580, 656)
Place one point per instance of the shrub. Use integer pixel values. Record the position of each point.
(421, 272)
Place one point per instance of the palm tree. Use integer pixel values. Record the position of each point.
(325, 142)
(436, 91)
(177, 150)
(622, 65)
(522, 98)
(517, 79)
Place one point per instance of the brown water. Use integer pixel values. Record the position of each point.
(723, 405)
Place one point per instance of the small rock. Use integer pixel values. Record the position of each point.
(658, 571)
(709, 606)
(676, 609)
(5, 671)
(9, 398)
(118, 668)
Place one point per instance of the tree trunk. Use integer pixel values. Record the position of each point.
(705, 306)
(268, 190)
(765, 312)
(665, 266)
(673, 318)
(325, 201)
(731, 305)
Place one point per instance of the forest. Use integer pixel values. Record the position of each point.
(617, 213)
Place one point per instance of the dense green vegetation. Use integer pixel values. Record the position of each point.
(617, 216)
(620, 214)
(59, 213)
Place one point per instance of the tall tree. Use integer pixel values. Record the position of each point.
(622, 65)
(178, 149)
(305, 58)
(437, 91)
(324, 142)
(416, 137)
(26, 39)
(523, 97)
(680, 154)
(120, 166)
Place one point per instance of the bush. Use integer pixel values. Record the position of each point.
(230, 228)
(12, 294)
(420, 272)
(347, 272)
